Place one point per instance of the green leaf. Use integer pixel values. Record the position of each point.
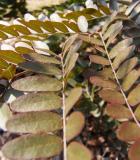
(41, 58)
(3, 36)
(128, 131)
(9, 30)
(71, 63)
(137, 112)
(72, 98)
(133, 97)
(77, 151)
(60, 26)
(126, 67)
(90, 39)
(121, 57)
(134, 151)
(5, 114)
(36, 102)
(119, 47)
(112, 96)
(75, 125)
(119, 112)
(9, 72)
(72, 26)
(3, 64)
(33, 146)
(68, 43)
(105, 9)
(130, 79)
(131, 7)
(34, 122)
(112, 29)
(99, 60)
(11, 56)
(37, 83)
(37, 67)
(101, 82)
(22, 29)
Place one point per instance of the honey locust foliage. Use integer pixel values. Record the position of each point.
(47, 108)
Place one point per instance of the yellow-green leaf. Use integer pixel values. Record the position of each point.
(72, 98)
(37, 67)
(37, 83)
(134, 96)
(34, 122)
(36, 102)
(33, 146)
(77, 151)
(75, 124)
(128, 131)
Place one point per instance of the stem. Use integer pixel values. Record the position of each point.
(64, 111)
(118, 82)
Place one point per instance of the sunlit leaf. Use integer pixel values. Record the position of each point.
(119, 47)
(119, 112)
(99, 60)
(100, 81)
(112, 29)
(37, 83)
(75, 124)
(9, 72)
(137, 112)
(34, 122)
(11, 56)
(112, 96)
(133, 97)
(130, 79)
(90, 39)
(33, 146)
(5, 114)
(126, 67)
(78, 151)
(121, 57)
(134, 151)
(128, 131)
(71, 63)
(3, 64)
(72, 98)
(36, 102)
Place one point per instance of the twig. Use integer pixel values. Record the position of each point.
(117, 80)
(64, 111)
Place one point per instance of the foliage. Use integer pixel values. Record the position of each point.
(47, 117)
